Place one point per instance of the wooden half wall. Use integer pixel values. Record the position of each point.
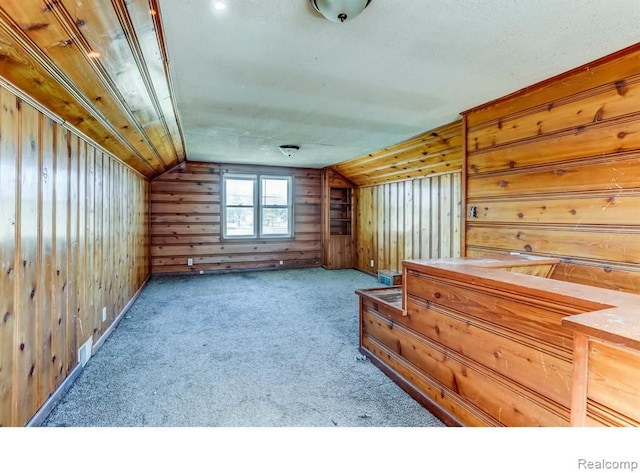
(554, 170)
(408, 200)
(185, 223)
(73, 249)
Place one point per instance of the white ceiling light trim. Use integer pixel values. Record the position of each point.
(340, 10)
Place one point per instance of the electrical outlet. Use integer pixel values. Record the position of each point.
(189, 261)
(104, 314)
(281, 262)
(371, 263)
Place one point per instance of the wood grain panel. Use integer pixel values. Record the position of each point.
(27, 263)
(616, 277)
(185, 223)
(503, 400)
(52, 250)
(122, 99)
(8, 222)
(613, 378)
(46, 256)
(596, 139)
(416, 219)
(463, 412)
(554, 170)
(590, 209)
(61, 318)
(493, 307)
(610, 176)
(615, 245)
(511, 354)
(432, 153)
(604, 103)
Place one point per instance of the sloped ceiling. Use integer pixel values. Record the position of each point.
(180, 79)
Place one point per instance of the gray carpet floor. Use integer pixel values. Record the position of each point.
(260, 349)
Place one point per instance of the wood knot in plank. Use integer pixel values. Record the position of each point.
(34, 26)
(599, 113)
(621, 87)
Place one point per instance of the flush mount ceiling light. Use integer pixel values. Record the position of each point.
(289, 150)
(340, 10)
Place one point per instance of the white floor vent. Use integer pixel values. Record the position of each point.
(84, 352)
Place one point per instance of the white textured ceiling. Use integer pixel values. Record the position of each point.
(262, 73)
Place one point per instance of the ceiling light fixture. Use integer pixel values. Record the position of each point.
(219, 6)
(289, 150)
(340, 10)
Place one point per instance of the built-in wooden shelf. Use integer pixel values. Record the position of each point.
(337, 221)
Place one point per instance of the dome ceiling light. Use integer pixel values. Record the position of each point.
(340, 10)
(289, 150)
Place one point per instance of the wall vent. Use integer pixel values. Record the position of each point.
(84, 352)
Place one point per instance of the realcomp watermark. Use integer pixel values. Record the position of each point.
(604, 464)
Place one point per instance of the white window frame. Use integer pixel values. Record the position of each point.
(258, 205)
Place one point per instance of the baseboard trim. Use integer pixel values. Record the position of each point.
(112, 327)
(59, 393)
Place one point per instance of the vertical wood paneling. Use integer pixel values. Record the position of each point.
(554, 171)
(425, 218)
(185, 223)
(412, 192)
(394, 214)
(27, 264)
(46, 256)
(377, 226)
(72, 248)
(81, 252)
(8, 221)
(98, 239)
(61, 319)
(54, 267)
(417, 219)
(434, 213)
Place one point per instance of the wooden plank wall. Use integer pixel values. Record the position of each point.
(417, 219)
(408, 200)
(555, 170)
(185, 223)
(73, 239)
(434, 152)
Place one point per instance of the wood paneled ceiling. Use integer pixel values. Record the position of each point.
(100, 66)
(178, 79)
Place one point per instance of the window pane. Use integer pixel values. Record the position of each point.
(275, 191)
(238, 192)
(239, 221)
(275, 221)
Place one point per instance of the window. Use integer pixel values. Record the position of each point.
(257, 206)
